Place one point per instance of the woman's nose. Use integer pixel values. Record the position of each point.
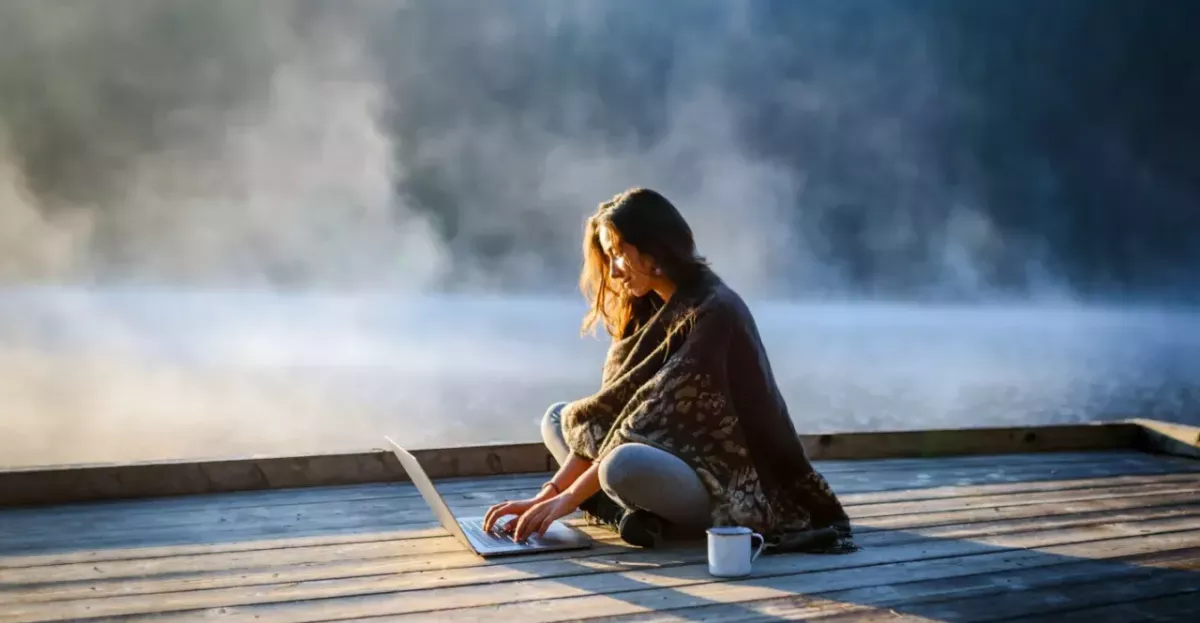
(614, 270)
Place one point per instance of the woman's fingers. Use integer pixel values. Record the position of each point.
(530, 520)
(539, 518)
(522, 521)
(549, 519)
(499, 511)
(554, 512)
(494, 513)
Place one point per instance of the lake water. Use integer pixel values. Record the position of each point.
(90, 376)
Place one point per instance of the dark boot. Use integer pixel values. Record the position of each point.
(641, 529)
(638, 528)
(602, 510)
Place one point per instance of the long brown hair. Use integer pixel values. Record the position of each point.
(648, 221)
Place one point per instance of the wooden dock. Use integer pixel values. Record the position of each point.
(1015, 528)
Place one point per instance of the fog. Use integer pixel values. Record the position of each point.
(231, 228)
(117, 375)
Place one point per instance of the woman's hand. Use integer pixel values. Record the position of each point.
(537, 513)
(504, 509)
(539, 516)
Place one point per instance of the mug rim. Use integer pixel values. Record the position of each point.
(729, 531)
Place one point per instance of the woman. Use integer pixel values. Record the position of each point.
(688, 429)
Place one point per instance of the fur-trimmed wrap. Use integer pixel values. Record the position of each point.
(692, 378)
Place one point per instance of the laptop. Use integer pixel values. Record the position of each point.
(470, 530)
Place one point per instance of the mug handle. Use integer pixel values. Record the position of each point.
(761, 544)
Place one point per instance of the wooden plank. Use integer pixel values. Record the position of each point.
(202, 559)
(1168, 438)
(1099, 506)
(30, 543)
(100, 510)
(858, 604)
(496, 483)
(866, 514)
(554, 580)
(832, 466)
(85, 483)
(27, 543)
(148, 525)
(248, 537)
(953, 442)
(1005, 520)
(91, 556)
(1183, 607)
(319, 552)
(348, 493)
(631, 592)
(271, 567)
(28, 526)
(887, 478)
(485, 499)
(385, 570)
(896, 580)
(1134, 583)
(655, 599)
(84, 580)
(936, 524)
(56, 485)
(852, 499)
(273, 497)
(946, 492)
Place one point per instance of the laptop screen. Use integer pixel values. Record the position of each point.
(419, 478)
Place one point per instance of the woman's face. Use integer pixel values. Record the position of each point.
(627, 269)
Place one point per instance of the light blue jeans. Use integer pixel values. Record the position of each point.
(640, 477)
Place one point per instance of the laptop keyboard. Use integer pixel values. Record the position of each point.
(474, 527)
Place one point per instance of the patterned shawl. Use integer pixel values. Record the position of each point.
(692, 378)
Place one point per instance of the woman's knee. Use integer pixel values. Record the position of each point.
(554, 412)
(622, 468)
(552, 433)
(639, 476)
(552, 419)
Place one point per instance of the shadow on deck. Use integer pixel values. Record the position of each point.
(964, 539)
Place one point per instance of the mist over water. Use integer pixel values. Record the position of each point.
(231, 228)
(135, 374)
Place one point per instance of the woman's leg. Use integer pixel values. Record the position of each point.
(642, 477)
(637, 477)
(552, 433)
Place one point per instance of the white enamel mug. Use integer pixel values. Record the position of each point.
(729, 551)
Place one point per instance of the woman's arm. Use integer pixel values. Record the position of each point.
(538, 518)
(565, 477)
(585, 486)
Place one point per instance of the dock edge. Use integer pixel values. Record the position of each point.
(35, 486)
